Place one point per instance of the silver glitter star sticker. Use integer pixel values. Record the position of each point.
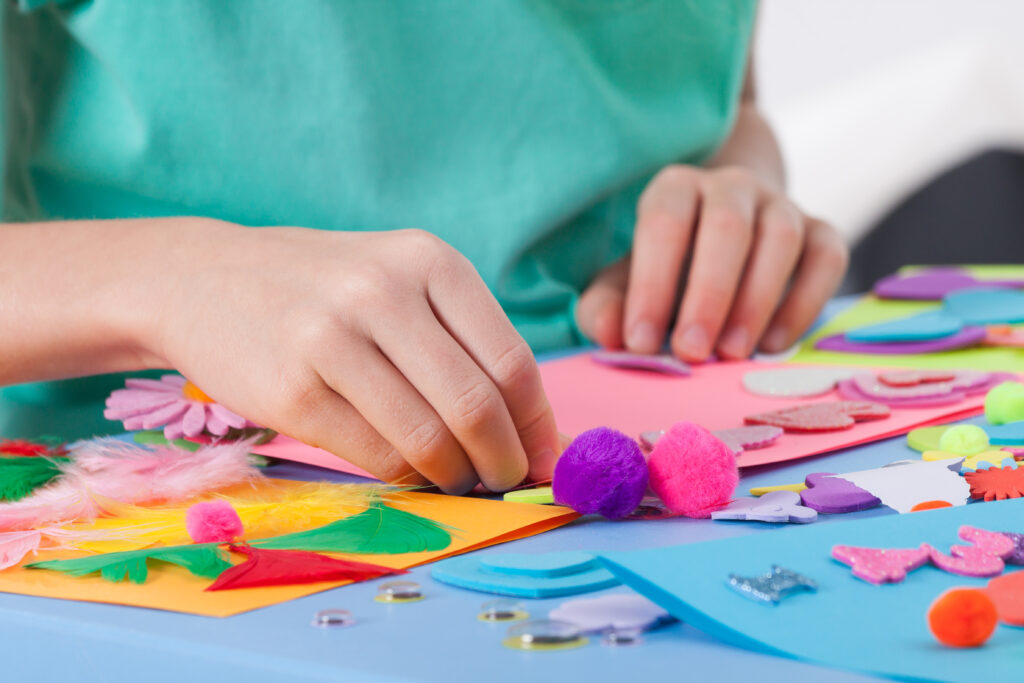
(773, 586)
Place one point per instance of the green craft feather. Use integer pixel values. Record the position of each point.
(205, 560)
(20, 476)
(379, 529)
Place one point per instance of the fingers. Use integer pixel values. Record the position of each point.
(476, 322)
(820, 271)
(724, 236)
(467, 401)
(399, 414)
(315, 414)
(665, 220)
(600, 308)
(776, 249)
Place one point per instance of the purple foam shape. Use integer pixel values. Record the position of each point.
(934, 284)
(664, 363)
(1017, 555)
(830, 494)
(965, 383)
(968, 336)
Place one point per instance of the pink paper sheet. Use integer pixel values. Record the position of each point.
(585, 394)
(287, 448)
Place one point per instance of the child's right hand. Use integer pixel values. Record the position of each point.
(385, 348)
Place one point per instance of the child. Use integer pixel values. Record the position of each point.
(567, 167)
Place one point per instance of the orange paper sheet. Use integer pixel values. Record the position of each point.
(585, 394)
(479, 523)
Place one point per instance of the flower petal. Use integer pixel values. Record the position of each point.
(215, 425)
(173, 380)
(174, 431)
(165, 415)
(226, 416)
(194, 420)
(143, 407)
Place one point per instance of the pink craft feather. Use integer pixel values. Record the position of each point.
(15, 545)
(107, 469)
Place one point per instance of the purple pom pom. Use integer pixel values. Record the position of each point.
(602, 471)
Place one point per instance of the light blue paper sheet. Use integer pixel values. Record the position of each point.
(848, 623)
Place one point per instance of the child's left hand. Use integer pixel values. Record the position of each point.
(754, 271)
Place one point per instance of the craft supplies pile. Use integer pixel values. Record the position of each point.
(932, 537)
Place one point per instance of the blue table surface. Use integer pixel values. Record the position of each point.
(437, 639)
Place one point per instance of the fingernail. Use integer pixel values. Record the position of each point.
(735, 343)
(643, 338)
(693, 342)
(542, 465)
(775, 340)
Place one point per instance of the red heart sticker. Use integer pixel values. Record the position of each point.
(912, 378)
(821, 417)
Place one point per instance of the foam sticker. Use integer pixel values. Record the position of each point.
(794, 382)
(983, 558)
(1017, 556)
(821, 417)
(903, 486)
(996, 483)
(1011, 434)
(825, 492)
(748, 437)
(969, 463)
(1007, 592)
(926, 438)
(970, 335)
(880, 566)
(772, 587)
(912, 378)
(985, 305)
(775, 507)
(1004, 335)
(866, 386)
(932, 284)
(761, 490)
(469, 572)
(620, 611)
(922, 326)
(665, 363)
(544, 565)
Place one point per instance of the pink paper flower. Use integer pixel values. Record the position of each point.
(174, 403)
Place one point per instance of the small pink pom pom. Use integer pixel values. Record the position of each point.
(692, 472)
(213, 522)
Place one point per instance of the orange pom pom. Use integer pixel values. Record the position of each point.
(962, 617)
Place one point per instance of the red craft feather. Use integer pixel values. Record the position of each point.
(271, 567)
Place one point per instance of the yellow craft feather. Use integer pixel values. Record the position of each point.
(264, 511)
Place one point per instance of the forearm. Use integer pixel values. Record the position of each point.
(79, 297)
(753, 146)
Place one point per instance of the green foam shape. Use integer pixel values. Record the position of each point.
(926, 438)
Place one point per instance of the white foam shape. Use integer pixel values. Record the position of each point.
(617, 610)
(794, 382)
(904, 486)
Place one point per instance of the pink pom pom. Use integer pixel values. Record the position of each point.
(213, 522)
(692, 472)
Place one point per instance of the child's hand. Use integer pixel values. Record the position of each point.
(753, 269)
(384, 348)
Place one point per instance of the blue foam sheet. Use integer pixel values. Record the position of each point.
(986, 306)
(848, 622)
(1011, 434)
